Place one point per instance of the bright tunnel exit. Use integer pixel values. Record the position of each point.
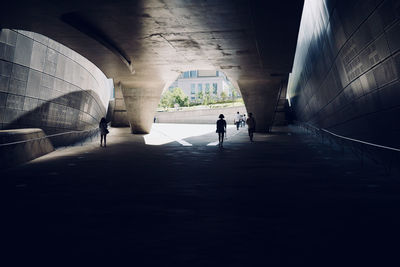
(164, 133)
(190, 106)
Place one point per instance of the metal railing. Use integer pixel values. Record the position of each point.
(17, 152)
(387, 157)
(61, 139)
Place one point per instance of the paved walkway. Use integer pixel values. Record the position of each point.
(284, 200)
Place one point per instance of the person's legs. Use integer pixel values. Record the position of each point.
(237, 125)
(105, 138)
(222, 138)
(101, 140)
(251, 134)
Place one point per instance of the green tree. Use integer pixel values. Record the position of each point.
(200, 97)
(176, 96)
(166, 100)
(223, 96)
(207, 98)
(179, 97)
(234, 94)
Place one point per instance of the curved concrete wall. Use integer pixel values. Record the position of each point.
(207, 116)
(346, 71)
(17, 153)
(46, 85)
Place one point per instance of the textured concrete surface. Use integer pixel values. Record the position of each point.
(284, 200)
(141, 42)
(119, 116)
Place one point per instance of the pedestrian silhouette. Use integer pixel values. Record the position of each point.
(103, 131)
(221, 129)
(251, 125)
(237, 120)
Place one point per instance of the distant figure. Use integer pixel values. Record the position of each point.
(251, 125)
(103, 131)
(237, 120)
(244, 119)
(154, 119)
(221, 129)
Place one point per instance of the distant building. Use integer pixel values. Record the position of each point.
(196, 81)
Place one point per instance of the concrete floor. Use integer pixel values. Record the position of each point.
(284, 200)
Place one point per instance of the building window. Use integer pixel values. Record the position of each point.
(193, 74)
(207, 88)
(200, 88)
(192, 98)
(215, 88)
(186, 74)
(192, 88)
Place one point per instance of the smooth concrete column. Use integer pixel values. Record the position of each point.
(141, 100)
(260, 98)
(118, 114)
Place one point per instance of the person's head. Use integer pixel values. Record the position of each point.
(237, 112)
(250, 114)
(103, 120)
(221, 116)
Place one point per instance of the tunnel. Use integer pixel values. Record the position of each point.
(319, 186)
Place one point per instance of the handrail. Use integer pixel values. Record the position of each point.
(46, 136)
(352, 139)
(382, 155)
(362, 142)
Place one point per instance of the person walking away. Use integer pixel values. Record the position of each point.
(221, 129)
(103, 131)
(251, 125)
(237, 120)
(244, 119)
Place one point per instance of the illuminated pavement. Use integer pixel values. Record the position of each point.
(284, 200)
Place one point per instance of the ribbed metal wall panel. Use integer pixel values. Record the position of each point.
(46, 85)
(346, 71)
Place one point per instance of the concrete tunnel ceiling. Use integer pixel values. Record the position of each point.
(143, 45)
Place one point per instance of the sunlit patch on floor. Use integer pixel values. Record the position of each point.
(163, 133)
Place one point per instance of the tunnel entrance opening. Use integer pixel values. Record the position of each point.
(198, 96)
(190, 106)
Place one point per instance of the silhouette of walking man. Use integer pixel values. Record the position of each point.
(237, 120)
(221, 129)
(103, 131)
(251, 124)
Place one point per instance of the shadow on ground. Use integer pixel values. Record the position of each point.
(284, 200)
